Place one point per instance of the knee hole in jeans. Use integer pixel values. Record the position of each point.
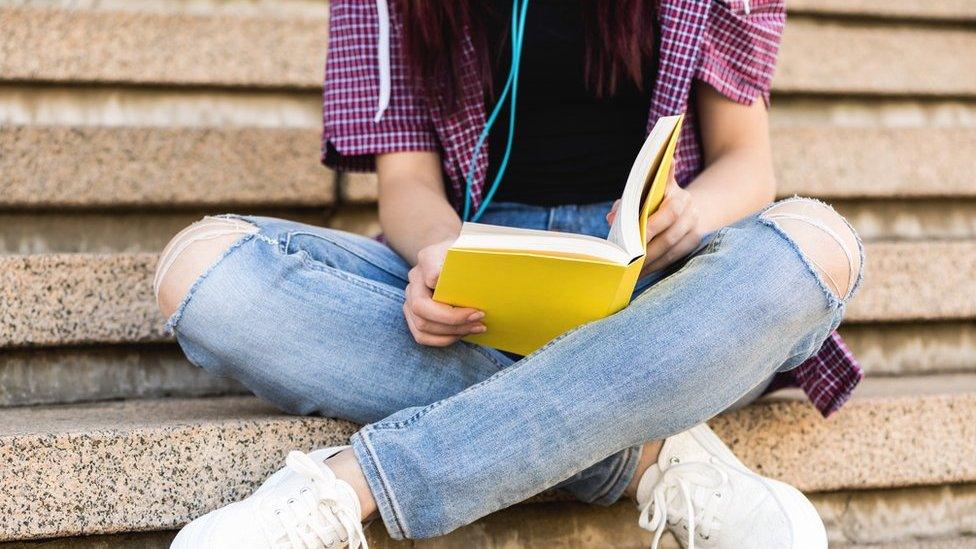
(190, 253)
(825, 239)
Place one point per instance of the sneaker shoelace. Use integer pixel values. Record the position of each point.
(683, 478)
(315, 517)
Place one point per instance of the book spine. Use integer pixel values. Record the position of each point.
(625, 289)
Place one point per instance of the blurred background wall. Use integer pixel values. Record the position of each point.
(121, 121)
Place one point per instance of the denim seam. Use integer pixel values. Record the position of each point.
(501, 374)
(384, 496)
(319, 267)
(341, 246)
(174, 319)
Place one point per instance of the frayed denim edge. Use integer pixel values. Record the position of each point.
(833, 300)
(174, 319)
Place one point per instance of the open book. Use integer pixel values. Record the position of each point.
(534, 285)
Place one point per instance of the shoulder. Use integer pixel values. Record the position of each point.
(352, 19)
(740, 46)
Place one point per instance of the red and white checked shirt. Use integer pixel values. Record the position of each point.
(370, 108)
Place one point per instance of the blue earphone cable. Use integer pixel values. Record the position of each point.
(519, 11)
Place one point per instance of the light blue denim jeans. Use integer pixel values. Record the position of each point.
(311, 319)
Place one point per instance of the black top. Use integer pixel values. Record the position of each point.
(569, 147)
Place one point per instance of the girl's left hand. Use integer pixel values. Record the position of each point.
(673, 231)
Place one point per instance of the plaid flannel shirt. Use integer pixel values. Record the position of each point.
(370, 108)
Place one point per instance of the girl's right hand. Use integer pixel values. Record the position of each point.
(432, 323)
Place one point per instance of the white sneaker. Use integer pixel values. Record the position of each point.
(706, 497)
(301, 506)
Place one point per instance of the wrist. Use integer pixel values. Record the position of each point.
(441, 234)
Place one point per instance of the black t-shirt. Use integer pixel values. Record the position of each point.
(569, 147)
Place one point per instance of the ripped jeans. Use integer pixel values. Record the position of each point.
(311, 319)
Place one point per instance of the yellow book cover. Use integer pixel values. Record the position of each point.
(535, 285)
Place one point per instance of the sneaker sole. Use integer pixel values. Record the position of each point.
(809, 532)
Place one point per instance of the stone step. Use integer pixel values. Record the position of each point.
(851, 162)
(30, 377)
(879, 58)
(153, 464)
(151, 48)
(60, 375)
(119, 167)
(917, 518)
(263, 51)
(910, 220)
(27, 232)
(169, 167)
(913, 348)
(66, 299)
(940, 10)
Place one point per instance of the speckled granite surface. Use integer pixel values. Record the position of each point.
(153, 166)
(120, 166)
(836, 57)
(160, 48)
(77, 298)
(151, 464)
(859, 162)
(917, 281)
(933, 9)
(873, 442)
(54, 45)
(142, 464)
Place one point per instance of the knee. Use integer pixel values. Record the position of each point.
(190, 253)
(824, 237)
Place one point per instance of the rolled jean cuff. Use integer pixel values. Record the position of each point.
(378, 485)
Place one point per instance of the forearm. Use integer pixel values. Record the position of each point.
(414, 210)
(738, 177)
(414, 216)
(736, 184)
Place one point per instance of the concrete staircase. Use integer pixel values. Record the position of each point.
(122, 121)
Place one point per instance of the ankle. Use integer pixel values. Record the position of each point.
(648, 457)
(346, 468)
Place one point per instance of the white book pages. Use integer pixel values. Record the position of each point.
(622, 245)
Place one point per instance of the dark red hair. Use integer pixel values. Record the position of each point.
(619, 42)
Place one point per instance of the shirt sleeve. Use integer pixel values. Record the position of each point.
(740, 46)
(351, 137)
